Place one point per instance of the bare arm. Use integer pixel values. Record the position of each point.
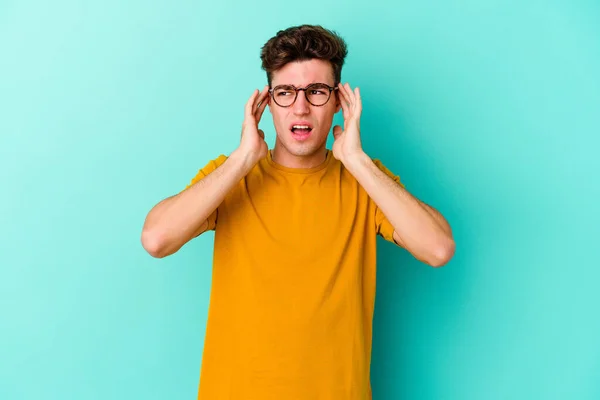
(419, 228)
(176, 220)
(438, 217)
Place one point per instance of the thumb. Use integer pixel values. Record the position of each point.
(337, 131)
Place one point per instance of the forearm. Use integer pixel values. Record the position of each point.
(176, 220)
(419, 228)
(439, 218)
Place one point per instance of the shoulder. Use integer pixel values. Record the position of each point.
(208, 167)
(213, 164)
(337, 164)
(216, 162)
(386, 170)
(380, 165)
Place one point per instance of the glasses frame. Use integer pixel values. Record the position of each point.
(296, 90)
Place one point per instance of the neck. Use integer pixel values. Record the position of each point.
(284, 158)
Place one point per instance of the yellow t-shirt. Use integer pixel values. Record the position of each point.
(293, 285)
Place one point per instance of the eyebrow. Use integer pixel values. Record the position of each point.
(298, 86)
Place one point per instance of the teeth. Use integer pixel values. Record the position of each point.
(300, 127)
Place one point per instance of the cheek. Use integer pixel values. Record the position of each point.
(279, 119)
(326, 118)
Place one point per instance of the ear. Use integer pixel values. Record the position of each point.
(338, 105)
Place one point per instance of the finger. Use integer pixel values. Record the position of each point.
(261, 97)
(337, 131)
(358, 100)
(261, 110)
(249, 104)
(261, 133)
(263, 100)
(350, 95)
(342, 90)
(349, 98)
(344, 101)
(258, 101)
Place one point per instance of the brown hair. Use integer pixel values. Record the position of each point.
(304, 42)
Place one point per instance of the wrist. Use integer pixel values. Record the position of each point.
(244, 159)
(355, 161)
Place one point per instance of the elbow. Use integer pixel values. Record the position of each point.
(153, 243)
(443, 254)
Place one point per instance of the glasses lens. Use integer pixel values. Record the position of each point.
(284, 95)
(318, 94)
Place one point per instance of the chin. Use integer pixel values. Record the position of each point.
(302, 149)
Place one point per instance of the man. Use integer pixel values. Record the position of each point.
(293, 288)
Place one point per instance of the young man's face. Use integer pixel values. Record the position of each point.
(297, 144)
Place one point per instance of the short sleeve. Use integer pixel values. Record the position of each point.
(383, 226)
(202, 173)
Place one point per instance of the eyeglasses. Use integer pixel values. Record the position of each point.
(317, 94)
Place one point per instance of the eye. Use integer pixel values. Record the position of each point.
(318, 90)
(284, 92)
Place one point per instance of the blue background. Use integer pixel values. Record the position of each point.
(488, 110)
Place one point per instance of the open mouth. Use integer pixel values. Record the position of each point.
(301, 130)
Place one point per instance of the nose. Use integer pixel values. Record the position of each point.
(301, 105)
